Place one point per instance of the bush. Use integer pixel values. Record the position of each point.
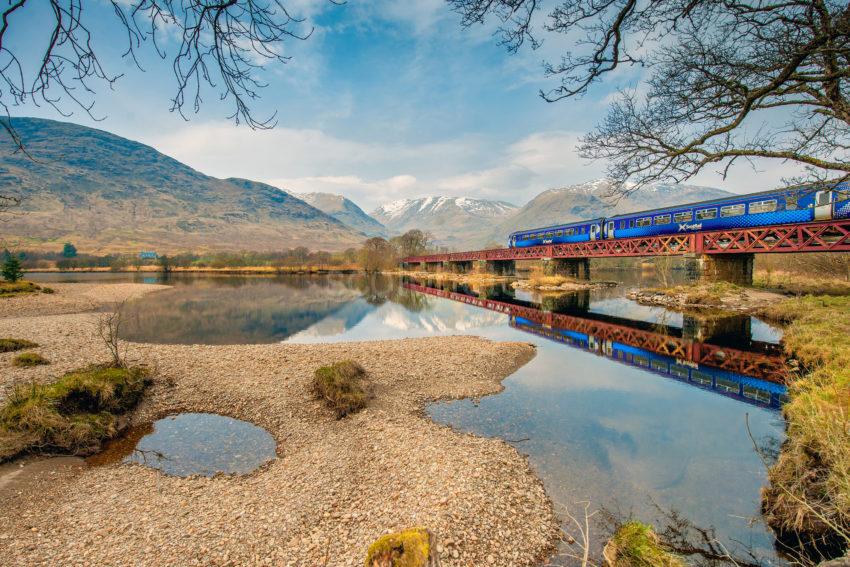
(75, 414)
(341, 386)
(29, 359)
(9, 288)
(410, 548)
(11, 345)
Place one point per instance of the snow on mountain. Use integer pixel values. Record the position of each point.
(452, 220)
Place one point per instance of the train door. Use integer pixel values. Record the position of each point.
(594, 231)
(609, 230)
(823, 205)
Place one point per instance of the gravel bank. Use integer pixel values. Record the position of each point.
(72, 298)
(336, 485)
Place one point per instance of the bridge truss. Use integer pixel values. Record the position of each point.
(829, 236)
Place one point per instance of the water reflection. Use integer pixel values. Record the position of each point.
(696, 353)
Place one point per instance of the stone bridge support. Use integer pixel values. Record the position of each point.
(733, 268)
(578, 268)
(433, 266)
(498, 267)
(460, 267)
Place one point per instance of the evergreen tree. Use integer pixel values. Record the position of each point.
(69, 250)
(12, 271)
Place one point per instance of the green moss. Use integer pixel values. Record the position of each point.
(17, 288)
(11, 345)
(409, 548)
(636, 545)
(27, 359)
(74, 414)
(341, 386)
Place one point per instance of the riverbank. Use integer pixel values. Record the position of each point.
(336, 485)
(270, 270)
(720, 296)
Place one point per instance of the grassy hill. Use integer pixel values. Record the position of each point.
(109, 194)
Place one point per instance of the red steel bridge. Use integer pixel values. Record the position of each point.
(829, 236)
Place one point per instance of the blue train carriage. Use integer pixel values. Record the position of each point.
(581, 231)
(782, 206)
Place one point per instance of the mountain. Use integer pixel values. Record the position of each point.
(345, 211)
(105, 193)
(595, 199)
(454, 221)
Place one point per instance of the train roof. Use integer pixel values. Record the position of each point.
(556, 226)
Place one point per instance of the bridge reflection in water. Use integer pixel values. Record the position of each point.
(716, 354)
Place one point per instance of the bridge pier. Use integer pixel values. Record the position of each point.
(567, 267)
(460, 267)
(498, 267)
(436, 267)
(733, 268)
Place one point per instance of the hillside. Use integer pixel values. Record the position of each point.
(105, 193)
(454, 221)
(345, 211)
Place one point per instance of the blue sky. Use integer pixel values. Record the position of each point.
(388, 99)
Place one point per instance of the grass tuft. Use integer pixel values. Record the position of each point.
(27, 359)
(11, 345)
(408, 548)
(809, 490)
(341, 386)
(636, 545)
(75, 414)
(8, 289)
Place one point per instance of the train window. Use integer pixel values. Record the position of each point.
(763, 206)
(550, 234)
(559, 233)
(646, 221)
(727, 385)
(700, 377)
(732, 210)
(622, 224)
(706, 214)
(791, 202)
(660, 365)
(684, 216)
(662, 219)
(823, 198)
(631, 223)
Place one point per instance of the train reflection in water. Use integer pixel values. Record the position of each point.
(698, 353)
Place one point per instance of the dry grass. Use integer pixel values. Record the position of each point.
(73, 415)
(539, 279)
(341, 385)
(710, 294)
(27, 359)
(810, 482)
(800, 284)
(11, 345)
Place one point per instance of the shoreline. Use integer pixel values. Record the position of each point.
(336, 485)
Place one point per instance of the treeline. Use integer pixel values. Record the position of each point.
(216, 260)
(379, 254)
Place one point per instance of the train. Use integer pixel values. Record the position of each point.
(776, 207)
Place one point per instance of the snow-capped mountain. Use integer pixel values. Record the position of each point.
(452, 220)
(345, 211)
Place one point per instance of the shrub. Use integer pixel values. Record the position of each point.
(29, 359)
(341, 386)
(75, 414)
(11, 269)
(409, 548)
(636, 545)
(11, 345)
(18, 287)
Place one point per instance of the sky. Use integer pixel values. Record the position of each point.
(387, 99)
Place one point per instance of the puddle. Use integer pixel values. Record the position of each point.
(193, 444)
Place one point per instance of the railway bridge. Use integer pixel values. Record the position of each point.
(724, 255)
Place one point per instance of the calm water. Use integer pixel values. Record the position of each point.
(189, 444)
(625, 406)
